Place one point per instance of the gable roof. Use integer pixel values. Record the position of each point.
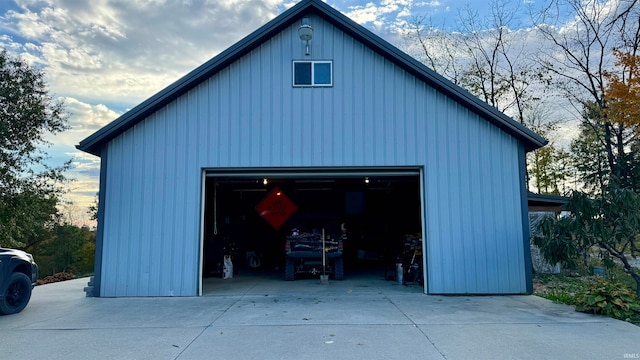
(94, 143)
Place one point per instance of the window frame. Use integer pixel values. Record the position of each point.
(313, 63)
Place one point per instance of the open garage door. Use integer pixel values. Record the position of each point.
(249, 216)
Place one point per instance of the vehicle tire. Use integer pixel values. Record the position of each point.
(338, 271)
(16, 294)
(289, 274)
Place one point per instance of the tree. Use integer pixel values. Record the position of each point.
(497, 69)
(484, 56)
(69, 248)
(549, 170)
(595, 222)
(622, 97)
(549, 167)
(612, 132)
(489, 60)
(584, 69)
(635, 166)
(436, 48)
(29, 188)
(93, 208)
(623, 90)
(589, 158)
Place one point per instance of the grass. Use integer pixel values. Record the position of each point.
(559, 288)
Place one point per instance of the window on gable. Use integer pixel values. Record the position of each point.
(312, 73)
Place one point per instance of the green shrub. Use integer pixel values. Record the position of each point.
(558, 244)
(611, 299)
(616, 273)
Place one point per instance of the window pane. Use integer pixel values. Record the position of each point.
(322, 74)
(302, 73)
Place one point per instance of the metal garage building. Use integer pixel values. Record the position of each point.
(343, 105)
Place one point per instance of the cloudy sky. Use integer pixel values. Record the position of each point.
(106, 56)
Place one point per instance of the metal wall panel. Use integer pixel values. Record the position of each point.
(249, 116)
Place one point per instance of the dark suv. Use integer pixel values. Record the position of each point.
(18, 275)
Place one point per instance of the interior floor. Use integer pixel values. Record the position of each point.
(269, 283)
(379, 214)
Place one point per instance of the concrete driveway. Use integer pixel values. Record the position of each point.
(352, 319)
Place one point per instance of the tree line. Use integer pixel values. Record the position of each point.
(31, 191)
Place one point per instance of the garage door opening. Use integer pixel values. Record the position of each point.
(376, 215)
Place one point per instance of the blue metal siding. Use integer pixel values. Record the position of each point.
(473, 234)
(248, 115)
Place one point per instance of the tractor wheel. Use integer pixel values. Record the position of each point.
(289, 274)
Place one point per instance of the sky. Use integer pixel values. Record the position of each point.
(103, 57)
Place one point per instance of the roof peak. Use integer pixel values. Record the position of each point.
(95, 142)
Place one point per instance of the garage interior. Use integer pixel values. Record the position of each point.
(378, 212)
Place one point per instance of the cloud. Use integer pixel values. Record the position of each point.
(592, 11)
(80, 195)
(385, 15)
(84, 120)
(81, 191)
(87, 117)
(389, 19)
(108, 51)
(84, 164)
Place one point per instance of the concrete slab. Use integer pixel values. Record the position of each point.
(81, 344)
(303, 309)
(274, 319)
(486, 310)
(312, 342)
(592, 340)
(138, 313)
(64, 306)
